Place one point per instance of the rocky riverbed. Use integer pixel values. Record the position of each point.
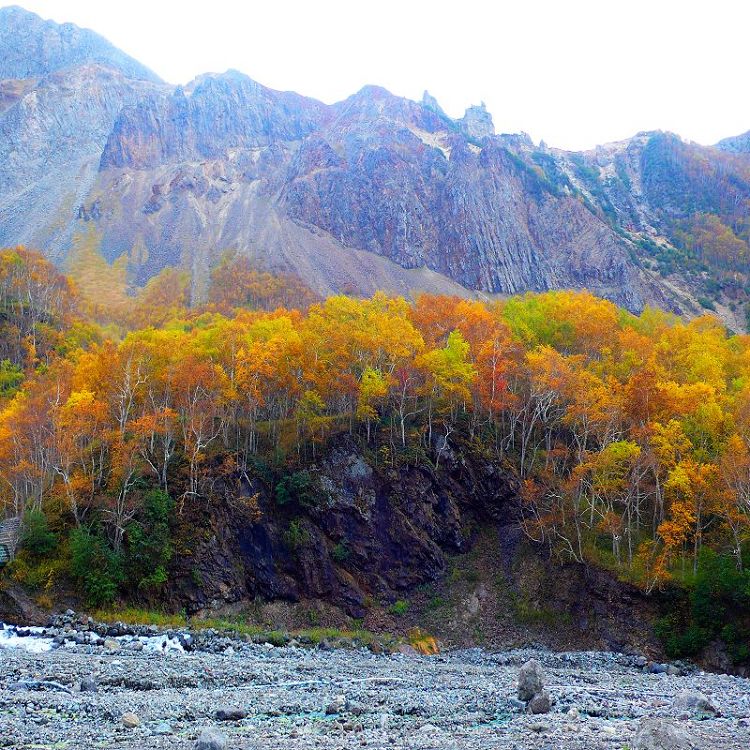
(151, 694)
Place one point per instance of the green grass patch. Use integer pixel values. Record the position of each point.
(238, 626)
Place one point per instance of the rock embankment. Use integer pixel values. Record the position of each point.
(260, 696)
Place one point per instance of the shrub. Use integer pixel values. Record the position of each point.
(341, 552)
(11, 377)
(296, 536)
(37, 539)
(399, 608)
(295, 487)
(149, 542)
(719, 594)
(96, 567)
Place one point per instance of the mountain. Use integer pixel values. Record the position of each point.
(738, 144)
(373, 192)
(33, 48)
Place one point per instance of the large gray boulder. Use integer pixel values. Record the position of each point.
(694, 704)
(662, 734)
(211, 739)
(530, 680)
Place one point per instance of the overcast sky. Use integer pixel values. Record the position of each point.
(572, 72)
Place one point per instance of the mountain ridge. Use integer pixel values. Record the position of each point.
(375, 191)
(33, 47)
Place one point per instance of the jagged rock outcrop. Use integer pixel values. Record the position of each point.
(376, 191)
(477, 123)
(207, 120)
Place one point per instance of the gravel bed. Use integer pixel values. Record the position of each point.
(271, 697)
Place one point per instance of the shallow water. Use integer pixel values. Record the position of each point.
(34, 643)
(38, 641)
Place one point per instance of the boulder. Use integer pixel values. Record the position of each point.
(227, 713)
(540, 703)
(661, 734)
(211, 739)
(693, 704)
(530, 680)
(337, 705)
(89, 685)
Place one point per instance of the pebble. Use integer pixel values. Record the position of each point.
(89, 685)
(130, 720)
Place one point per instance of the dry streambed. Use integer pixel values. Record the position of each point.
(261, 696)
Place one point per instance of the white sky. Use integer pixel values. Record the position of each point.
(573, 72)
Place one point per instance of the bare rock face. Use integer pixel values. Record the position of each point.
(738, 144)
(32, 47)
(214, 115)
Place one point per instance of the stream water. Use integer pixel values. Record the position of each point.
(39, 640)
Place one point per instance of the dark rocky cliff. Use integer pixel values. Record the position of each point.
(345, 532)
(352, 538)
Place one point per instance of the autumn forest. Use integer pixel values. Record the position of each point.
(630, 434)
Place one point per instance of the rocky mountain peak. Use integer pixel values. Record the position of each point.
(374, 109)
(205, 119)
(431, 102)
(477, 122)
(31, 47)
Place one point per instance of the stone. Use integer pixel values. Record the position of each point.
(540, 703)
(530, 680)
(111, 644)
(211, 739)
(661, 734)
(656, 668)
(230, 714)
(538, 728)
(337, 705)
(130, 720)
(89, 685)
(693, 704)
